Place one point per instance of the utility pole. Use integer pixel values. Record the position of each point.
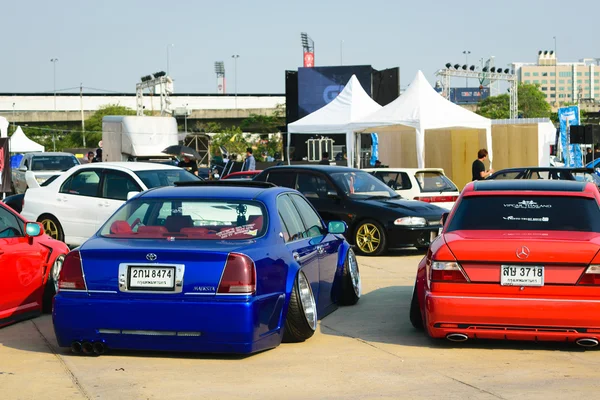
(53, 61)
(82, 118)
(235, 58)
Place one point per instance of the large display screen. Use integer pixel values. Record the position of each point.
(320, 85)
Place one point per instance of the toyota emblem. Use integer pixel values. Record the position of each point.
(523, 252)
(151, 257)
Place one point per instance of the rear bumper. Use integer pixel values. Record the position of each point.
(196, 325)
(512, 318)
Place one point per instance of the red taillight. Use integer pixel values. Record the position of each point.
(591, 276)
(71, 273)
(437, 199)
(442, 271)
(239, 276)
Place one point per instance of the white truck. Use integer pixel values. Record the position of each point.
(138, 138)
(40, 166)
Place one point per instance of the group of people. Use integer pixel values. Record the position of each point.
(91, 157)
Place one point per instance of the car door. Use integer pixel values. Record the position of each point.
(303, 250)
(322, 195)
(78, 203)
(327, 250)
(21, 269)
(115, 187)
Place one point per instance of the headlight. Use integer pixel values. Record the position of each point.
(410, 221)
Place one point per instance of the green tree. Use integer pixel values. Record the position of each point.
(495, 107)
(532, 104)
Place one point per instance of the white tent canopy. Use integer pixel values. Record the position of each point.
(3, 127)
(339, 116)
(421, 108)
(19, 143)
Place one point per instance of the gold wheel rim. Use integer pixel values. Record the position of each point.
(368, 238)
(50, 228)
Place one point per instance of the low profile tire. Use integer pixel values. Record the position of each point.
(351, 283)
(416, 319)
(370, 238)
(52, 227)
(301, 321)
(52, 285)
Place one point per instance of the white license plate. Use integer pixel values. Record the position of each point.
(522, 275)
(151, 278)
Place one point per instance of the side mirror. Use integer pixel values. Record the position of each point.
(337, 227)
(23, 168)
(333, 195)
(445, 218)
(33, 229)
(131, 195)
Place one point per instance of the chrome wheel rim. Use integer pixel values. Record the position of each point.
(307, 300)
(354, 273)
(368, 238)
(55, 273)
(50, 228)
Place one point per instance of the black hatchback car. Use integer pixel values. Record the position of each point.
(377, 217)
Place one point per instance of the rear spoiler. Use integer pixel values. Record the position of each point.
(32, 183)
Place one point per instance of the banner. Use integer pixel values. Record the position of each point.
(5, 171)
(374, 148)
(571, 153)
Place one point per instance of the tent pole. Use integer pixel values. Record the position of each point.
(289, 140)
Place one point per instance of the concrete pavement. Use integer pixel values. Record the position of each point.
(360, 352)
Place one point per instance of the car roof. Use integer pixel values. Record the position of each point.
(51, 153)
(129, 165)
(237, 192)
(310, 167)
(407, 170)
(516, 169)
(516, 185)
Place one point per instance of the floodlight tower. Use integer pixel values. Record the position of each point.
(220, 71)
(308, 47)
(158, 81)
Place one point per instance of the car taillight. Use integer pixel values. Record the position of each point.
(437, 199)
(71, 273)
(591, 276)
(239, 276)
(444, 271)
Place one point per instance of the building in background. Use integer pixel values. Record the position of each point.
(577, 81)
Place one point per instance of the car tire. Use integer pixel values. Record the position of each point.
(351, 283)
(299, 324)
(416, 319)
(370, 238)
(52, 227)
(51, 285)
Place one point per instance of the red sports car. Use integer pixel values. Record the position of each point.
(516, 260)
(242, 175)
(30, 262)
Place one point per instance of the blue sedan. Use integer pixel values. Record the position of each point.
(211, 267)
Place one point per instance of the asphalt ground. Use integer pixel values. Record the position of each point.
(367, 351)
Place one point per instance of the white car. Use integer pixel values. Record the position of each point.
(425, 184)
(76, 204)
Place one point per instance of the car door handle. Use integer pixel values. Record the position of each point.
(296, 256)
(320, 249)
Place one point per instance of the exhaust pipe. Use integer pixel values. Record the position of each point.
(99, 348)
(587, 342)
(457, 337)
(87, 348)
(76, 347)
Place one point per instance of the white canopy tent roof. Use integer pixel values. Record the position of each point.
(421, 108)
(339, 116)
(19, 143)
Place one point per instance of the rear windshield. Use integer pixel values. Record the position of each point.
(165, 177)
(432, 182)
(544, 213)
(191, 219)
(53, 163)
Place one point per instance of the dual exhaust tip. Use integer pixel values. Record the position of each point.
(583, 342)
(88, 348)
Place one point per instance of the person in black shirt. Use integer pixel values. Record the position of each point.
(478, 168)
(189, 165)
(324, 159)
(589, 156)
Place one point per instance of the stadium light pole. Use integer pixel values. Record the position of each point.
(466, 53)
(235, 58)
(53, 61)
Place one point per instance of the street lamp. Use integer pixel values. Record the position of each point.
(555, 75)
(466, 53)
(235, 57)
(54, 61)
(168, 48)
(185, 116)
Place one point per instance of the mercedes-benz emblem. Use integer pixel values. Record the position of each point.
(523, 252)
(151, 257)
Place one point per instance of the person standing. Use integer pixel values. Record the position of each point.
(98, 157)
(250, 162)
(478, 167)
(90, 156)
(589, 156)
(324, 159)
(189, 165)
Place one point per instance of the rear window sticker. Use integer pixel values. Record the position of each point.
(529, 204)
(529, 219)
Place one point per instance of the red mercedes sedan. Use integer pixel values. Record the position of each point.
(515, 260)
(30, 262)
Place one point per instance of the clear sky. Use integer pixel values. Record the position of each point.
(110, 44)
